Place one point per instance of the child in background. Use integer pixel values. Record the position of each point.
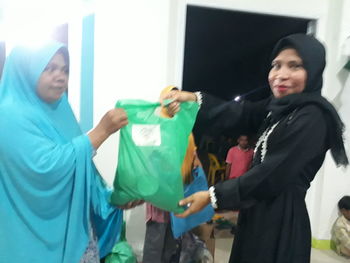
(341, 228)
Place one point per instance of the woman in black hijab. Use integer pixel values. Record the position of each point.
(296, 127)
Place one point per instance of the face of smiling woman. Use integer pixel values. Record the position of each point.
(53, 80)
(287, 75)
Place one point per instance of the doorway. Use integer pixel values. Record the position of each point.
(227, 52)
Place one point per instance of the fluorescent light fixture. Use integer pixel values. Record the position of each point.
(237, 98)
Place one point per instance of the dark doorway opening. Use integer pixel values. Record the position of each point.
(227, 54)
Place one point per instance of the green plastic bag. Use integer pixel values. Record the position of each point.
(122, 251)
(151, 152)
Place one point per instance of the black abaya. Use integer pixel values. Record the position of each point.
(273, 224)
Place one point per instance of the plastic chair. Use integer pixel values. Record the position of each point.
(214, 168)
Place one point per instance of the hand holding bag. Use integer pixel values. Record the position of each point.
(151, 152)
(180, 226)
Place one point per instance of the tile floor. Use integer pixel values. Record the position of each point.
(326, 256)
(223, 247)
(223, 243)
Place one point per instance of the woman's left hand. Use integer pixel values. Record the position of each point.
(195, 203)
(131, 204)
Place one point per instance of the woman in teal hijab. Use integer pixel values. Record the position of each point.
(51, 195)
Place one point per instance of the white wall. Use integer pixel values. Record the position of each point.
(131, 50)
(139, 50)
(131, 39)
(334, 182)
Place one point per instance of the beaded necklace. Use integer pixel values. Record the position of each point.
(263, 141)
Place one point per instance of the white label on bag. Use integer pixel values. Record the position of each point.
(146, 134)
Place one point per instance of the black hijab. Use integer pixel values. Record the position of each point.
(312, 52)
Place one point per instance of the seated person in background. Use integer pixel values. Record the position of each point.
(239, 158)
(341, 228)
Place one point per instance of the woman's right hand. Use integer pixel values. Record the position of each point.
(111, 122)
(178, 96)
